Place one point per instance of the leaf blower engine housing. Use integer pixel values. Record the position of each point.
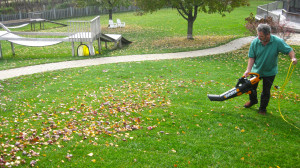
(244, 85)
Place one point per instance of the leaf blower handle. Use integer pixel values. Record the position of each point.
(252, 73)
(254, 79)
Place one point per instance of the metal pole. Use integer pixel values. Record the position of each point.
(0, 51)
(99, 45)
(73, 50)
(92, 52)
(12, 48)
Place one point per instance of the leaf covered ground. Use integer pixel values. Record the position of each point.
(146, 114)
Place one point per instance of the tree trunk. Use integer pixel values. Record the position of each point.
(287, 5)
(190, 29)
(6, 3)
(110, 14)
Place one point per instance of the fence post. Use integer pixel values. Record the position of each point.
(20, 15)
(54, 14)
(71, 11)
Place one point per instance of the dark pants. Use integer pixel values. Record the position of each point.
(265, 95)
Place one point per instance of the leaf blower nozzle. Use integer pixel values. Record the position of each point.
(244, 85)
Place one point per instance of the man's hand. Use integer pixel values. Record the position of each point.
(292, 55)
(294, 60)
(246, 74)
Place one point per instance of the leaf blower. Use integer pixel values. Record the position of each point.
(244, 85)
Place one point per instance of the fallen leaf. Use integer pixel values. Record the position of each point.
(32, 163)
(150, 128)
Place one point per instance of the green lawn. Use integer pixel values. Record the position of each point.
(146, 114)
(161, 32)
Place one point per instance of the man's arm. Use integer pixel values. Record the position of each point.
(249, 67)
(292, 55)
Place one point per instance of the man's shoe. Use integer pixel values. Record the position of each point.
(249, 104)
(262, 112)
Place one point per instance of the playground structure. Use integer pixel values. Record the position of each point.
(78, 31)
(33, 19)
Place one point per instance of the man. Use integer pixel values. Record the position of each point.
(263, 59)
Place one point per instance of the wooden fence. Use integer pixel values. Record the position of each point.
(71, 12)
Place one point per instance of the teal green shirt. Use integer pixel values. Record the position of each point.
(266, 57)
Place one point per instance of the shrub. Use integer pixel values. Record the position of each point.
(6, 10)
(65, 5)
(251, 24)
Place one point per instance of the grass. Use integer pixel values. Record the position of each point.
(146, 114)
(146, 32)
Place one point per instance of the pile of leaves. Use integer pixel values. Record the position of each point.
(183, 42)
(110, 112)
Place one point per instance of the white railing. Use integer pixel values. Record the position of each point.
(84, 31)
(95, 27)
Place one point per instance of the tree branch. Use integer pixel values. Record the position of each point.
(181, 14)
(182, 11)
(195, 13)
